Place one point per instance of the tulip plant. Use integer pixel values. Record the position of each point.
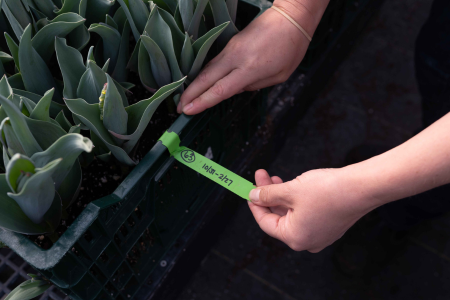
(65, 68)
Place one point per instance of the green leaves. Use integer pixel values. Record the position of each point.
(139, 116)
(29, 289)
(32, 188)
(115, 117)
(37, 77)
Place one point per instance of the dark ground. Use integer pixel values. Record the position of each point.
(371, 98)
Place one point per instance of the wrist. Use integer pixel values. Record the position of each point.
(306, 13)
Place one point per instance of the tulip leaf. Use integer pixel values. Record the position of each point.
(221, 15)
(72, 67)
(91, 83)
(115, 118)
(79, 37)
(18, 164)
(18, 123)
(186, 8)
(187, 56)
(13, 22)
(201, 48)
(158, 30)
(135, 15)
(133, 63)
(16, 81)
(110, 22)
(120, 72)
(55, 108)
(68, 6)
(144, 69)
(5, 88)
(196, 18)
(158, 63)
(46, 7)
(232, 9)
(44, 40)
(5, 57)
(28, 290)
(12, 217)
(45, 133)
(42, 109)
(111, 41)
(9, 139)
(96, 10)
(67, 147)
(140, 114)
(70, 187)
(63, 122)
(177, 34)
(120, 18)
(35, 73)
(89, 114)
(36, 196)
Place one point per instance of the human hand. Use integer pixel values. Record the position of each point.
(263, 54)
(310, 212)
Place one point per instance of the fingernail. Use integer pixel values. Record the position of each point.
(188, 107)
(254, 195)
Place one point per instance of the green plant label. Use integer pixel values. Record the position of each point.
(206, 167)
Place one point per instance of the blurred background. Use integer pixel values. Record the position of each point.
(371, 98)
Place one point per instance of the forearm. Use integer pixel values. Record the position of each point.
(307, 13)
(420, 164)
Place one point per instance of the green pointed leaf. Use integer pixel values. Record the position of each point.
(45, 133)
(91, 83)
(36, 196)
(5, 57)
(46, 7)
(18, 164)
(127, 85)
(44, 40)
(110, 22)
(232, 9)
(96, 10)
(42, 109)
(55, 108)
(158, 30)
(177, 34)
(187, 56)
(9, 139)
(111, 41)
(106, 66)
(30, 291)
(19, 12)
(158, 63)
(13, 22)
(201, 48)
(186, 8)
(89, 114)
(16, 81)
(163, 5)
(18, 122)
(68, 6)
(137, 14)
(120, 72)
(35, 73)
(70, 186)
(133, 63)
(13, 48)
(196, 18)
(14, 219)
(172, 4)
(5, 88)
(63, 122)
(68, 147)
(140, 114)
(144, 69)
(221, 15)
(115, 118)
(120, 18)
(79, 37)
(72, 67)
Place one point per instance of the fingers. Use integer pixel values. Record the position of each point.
(277, 180)
(221, 90)
(269, 222)
(213, 72)
(262, 178)
(271, 195)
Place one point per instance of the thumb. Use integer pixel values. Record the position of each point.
(271, 195)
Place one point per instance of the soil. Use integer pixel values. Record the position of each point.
(102, 178)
